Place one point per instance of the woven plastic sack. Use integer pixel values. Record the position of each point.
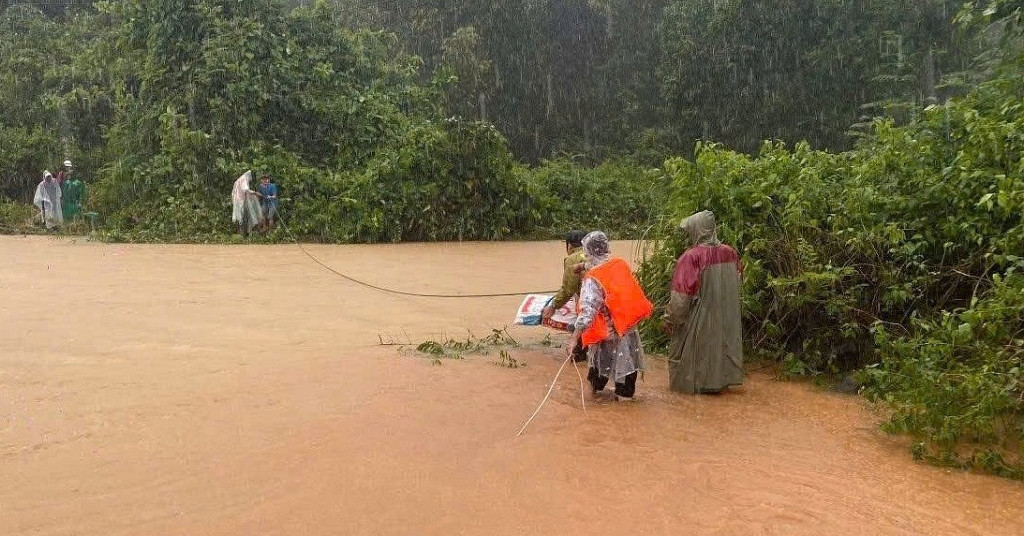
(531, 312)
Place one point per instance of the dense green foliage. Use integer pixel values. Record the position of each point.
(599, 77)
(162, 104)
(16, 217)
(591, 77)
(40, 110)
(621, 196)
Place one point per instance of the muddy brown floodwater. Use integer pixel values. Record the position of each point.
(242, 390)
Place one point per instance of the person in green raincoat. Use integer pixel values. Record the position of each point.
(703, 313)
(72, 196)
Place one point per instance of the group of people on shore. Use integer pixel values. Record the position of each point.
(253, 208)
(702, 316)
(59, 198)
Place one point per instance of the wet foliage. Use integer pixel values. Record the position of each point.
(161, 105)
(455, 348)
(622, 196)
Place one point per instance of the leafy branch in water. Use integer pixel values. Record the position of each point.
(507, 361)
(450, 348)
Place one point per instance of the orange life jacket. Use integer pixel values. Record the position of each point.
(624, 298)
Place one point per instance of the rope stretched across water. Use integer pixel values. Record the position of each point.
(394, 291)
(426, 295)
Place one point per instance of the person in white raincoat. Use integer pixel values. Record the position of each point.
(47, 200)
(245, 205)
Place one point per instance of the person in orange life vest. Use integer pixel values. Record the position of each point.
(611, 305)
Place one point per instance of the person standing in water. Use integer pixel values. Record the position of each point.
(611, 305)
(571, 282)
(703, 313)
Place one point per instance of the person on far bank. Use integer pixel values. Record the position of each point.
(72, 196)
(571, 282)
(48, 200)
(611, 305)
(268, 200)
(64, 173)
(703, 313)
(245, 205)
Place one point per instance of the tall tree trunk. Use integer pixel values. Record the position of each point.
(928, 77)
(536, 142)
(551, 96)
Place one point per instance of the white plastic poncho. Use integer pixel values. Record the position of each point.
(48, 200)
(245, 209)
(619, 355)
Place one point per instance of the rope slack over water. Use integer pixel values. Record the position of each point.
(426, 295)
(399, 292)
(583, 400)
(552, 388)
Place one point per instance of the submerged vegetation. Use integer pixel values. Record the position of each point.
(884, 237)
(451, 348)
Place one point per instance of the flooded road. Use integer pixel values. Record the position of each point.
(241, 390)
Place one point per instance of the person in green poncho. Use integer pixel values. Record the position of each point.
(72, 196)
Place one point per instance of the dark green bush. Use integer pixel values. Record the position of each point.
(447, 181)
(619, 197)
(957, 383)
(17, 217)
